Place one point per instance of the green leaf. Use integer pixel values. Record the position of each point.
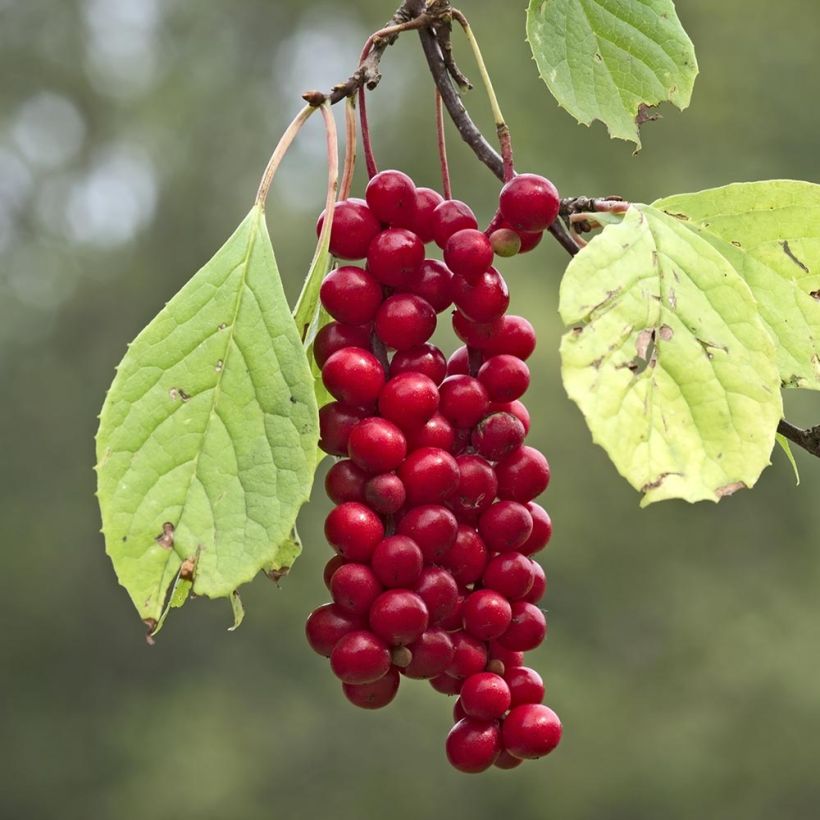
(787, 449)
(612, 60)
(770, 232)
(668, 360)
(207, 441)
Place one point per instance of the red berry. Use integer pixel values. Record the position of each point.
(394, 256)
(326, 626)
(426, 359)
(459, 363)
(529, 240)
(385, 493)
(463, 400)
(467, 557)
(483, 298)
(391, 196)
(476, 487)
(470, 656)
(511, 574)
(485, 696)
(458, 711)
(345, 482)
(354, 587)
(506, 761)
(360, 657)
(433, 282)
(486, 614)
(351, 295)
(510, 658)
(477, 335)
(432, 527)
(522, 475)
(531, 730)
(336, 420)
(505, 377)
(405, 320)
(452, 623)
(353, 376)
(513, 335)
(429, 475)
(398, 617)
(353, 530)
(505, 526)
(541, 530)
(354, 226)
(438, 432)
(526, 685)
(539, 584)
(527, 629)
(432, 653)
(427, 200)
(515, 408)
(376, 445)
(529, 203)
(497, 435)
(330, 567)
(473, 745)
(397, 561)
(446, 684)
(335, 335)
(409, 400)
(468, 253)
(374, 695)
(439, 591)
(451, 216)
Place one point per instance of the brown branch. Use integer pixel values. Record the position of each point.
(808, 439)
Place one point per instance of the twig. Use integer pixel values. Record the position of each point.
(808, 439)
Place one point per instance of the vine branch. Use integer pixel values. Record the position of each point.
(808, 439)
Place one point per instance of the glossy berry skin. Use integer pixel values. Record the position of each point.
(336, 421)
(506, 761)
(458, 711)
(353, 530)
(345, 482)
(468, 253)
(397, 561)
(429, 475)
(391, 196)
(330, 567)
(508, 657)
(360, 657)
(425, 359)
(427, 200)
(522, 475)
(473, 745)
(539, 584)
(477, 335)
(374, 695)
(469, 657)
(505, 377)
(481, 299)
(525, 685)
(512, 335)
(446, 684)
(335, 335)
(354, 376)
(467, 557)
(327, 625)
(439, 591)
(409, 400)
(527, 629)
(459, 363)
(527, 240)
(437, 432)
(433, 282)
(497, 435)
(354, 587)
(405, 320)
(452, 623)
(384, 493)
(376, 445)
(432, 653)
(475, 490)
(529, 202)
(463, 400)
(515, 408)
(354, 227)
(485, 696)
(394, 257)
(432, 527)
(398, 617)
(486, 614)
(511, 574)
(451, 216)
(541, 530)
(505, 526)
(531, 731)
(351, 295)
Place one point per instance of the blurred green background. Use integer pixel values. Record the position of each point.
(684, 655)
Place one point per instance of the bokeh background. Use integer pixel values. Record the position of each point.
(684, 654)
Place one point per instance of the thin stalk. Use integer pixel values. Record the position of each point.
(367, 145)
(442, 149)
(350, 148)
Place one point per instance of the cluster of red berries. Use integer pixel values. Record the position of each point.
(435, 521)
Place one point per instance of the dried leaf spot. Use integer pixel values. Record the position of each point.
(644, 342)
(178, 394)
(730, 489)
(219, 365)
(815, 294)
(166, 538)
(788, 251)
(187, 570)
(223, 326)
(666, 333)
(653, 485)
(647, 113)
